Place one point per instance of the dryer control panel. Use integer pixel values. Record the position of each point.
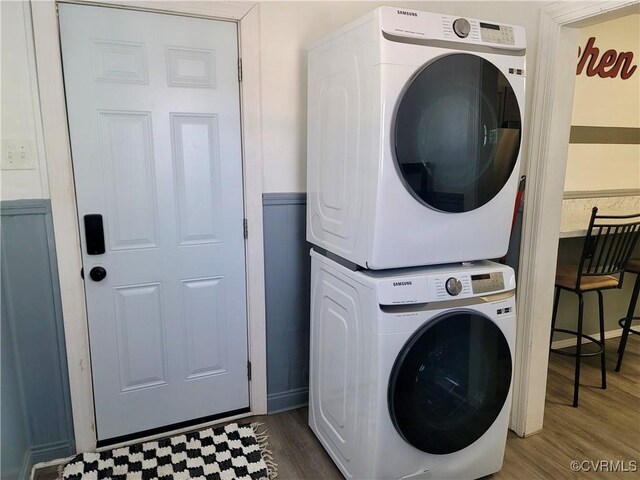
(403, 24)
(476, 30)
(492, 33)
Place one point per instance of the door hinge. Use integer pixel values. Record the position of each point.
(249, 370)
(245, 228)
(239, 69)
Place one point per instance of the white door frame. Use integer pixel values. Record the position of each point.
(63, 202)
(546, 167)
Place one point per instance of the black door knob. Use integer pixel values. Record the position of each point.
(97, 274)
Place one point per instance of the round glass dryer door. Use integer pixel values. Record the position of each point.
(450, 382)
(457, 133)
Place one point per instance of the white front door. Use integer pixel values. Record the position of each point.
(154, 117)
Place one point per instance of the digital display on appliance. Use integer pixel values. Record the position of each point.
(497, 34)
(485, 276)
(489, 26)
(487, 282)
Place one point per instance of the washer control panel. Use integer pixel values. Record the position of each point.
(465, 285)
(449, 286)
(441, 283)
(453, 286)
(461, 27)
(487, 282)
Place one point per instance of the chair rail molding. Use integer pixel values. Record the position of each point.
(57, 151)
(546, 167)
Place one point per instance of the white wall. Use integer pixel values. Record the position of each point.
(607, 102)
(20, 109)
(286, 28)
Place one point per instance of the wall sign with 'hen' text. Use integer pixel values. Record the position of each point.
(609, 65)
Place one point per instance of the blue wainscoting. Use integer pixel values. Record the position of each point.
(36, 410)
(287, 285)
(13, 435)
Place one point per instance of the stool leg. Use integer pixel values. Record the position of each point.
(602, 355)
(556, 300)
(576, 382)
(627, 322)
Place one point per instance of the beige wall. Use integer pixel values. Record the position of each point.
(607, 102)
(20, 110)
(286, 29)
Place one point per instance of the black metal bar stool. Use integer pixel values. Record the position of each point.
(606, 251)
(633, 266)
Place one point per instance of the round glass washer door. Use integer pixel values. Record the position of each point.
(449, 382)
(457, 133)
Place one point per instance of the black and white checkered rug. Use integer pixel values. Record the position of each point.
(232, 452)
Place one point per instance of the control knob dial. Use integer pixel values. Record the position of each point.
(462, 27)
(453, 286)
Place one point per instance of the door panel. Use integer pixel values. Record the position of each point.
(119, 61)
(191, 68)
(127, 155)
(139, 322)
(197, 165)
(204, 320)
(154, 118)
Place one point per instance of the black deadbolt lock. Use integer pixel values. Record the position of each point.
(94, 233)
(97, 274)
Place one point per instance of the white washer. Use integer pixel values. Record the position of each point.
(413, 152)
(408, 380)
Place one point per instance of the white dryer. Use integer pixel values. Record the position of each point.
(411, 370)
(414, 138)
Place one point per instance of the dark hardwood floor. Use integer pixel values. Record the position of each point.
(606, 426)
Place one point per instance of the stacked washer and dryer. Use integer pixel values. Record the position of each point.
(414, 132)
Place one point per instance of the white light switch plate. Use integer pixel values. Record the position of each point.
(17, 155)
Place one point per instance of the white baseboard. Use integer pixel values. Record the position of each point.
(570, 342)
(281, 402)
(50, 463)
(35, 457)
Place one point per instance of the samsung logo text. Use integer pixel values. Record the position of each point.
(404, 12)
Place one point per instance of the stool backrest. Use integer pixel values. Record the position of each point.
(608, 245)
